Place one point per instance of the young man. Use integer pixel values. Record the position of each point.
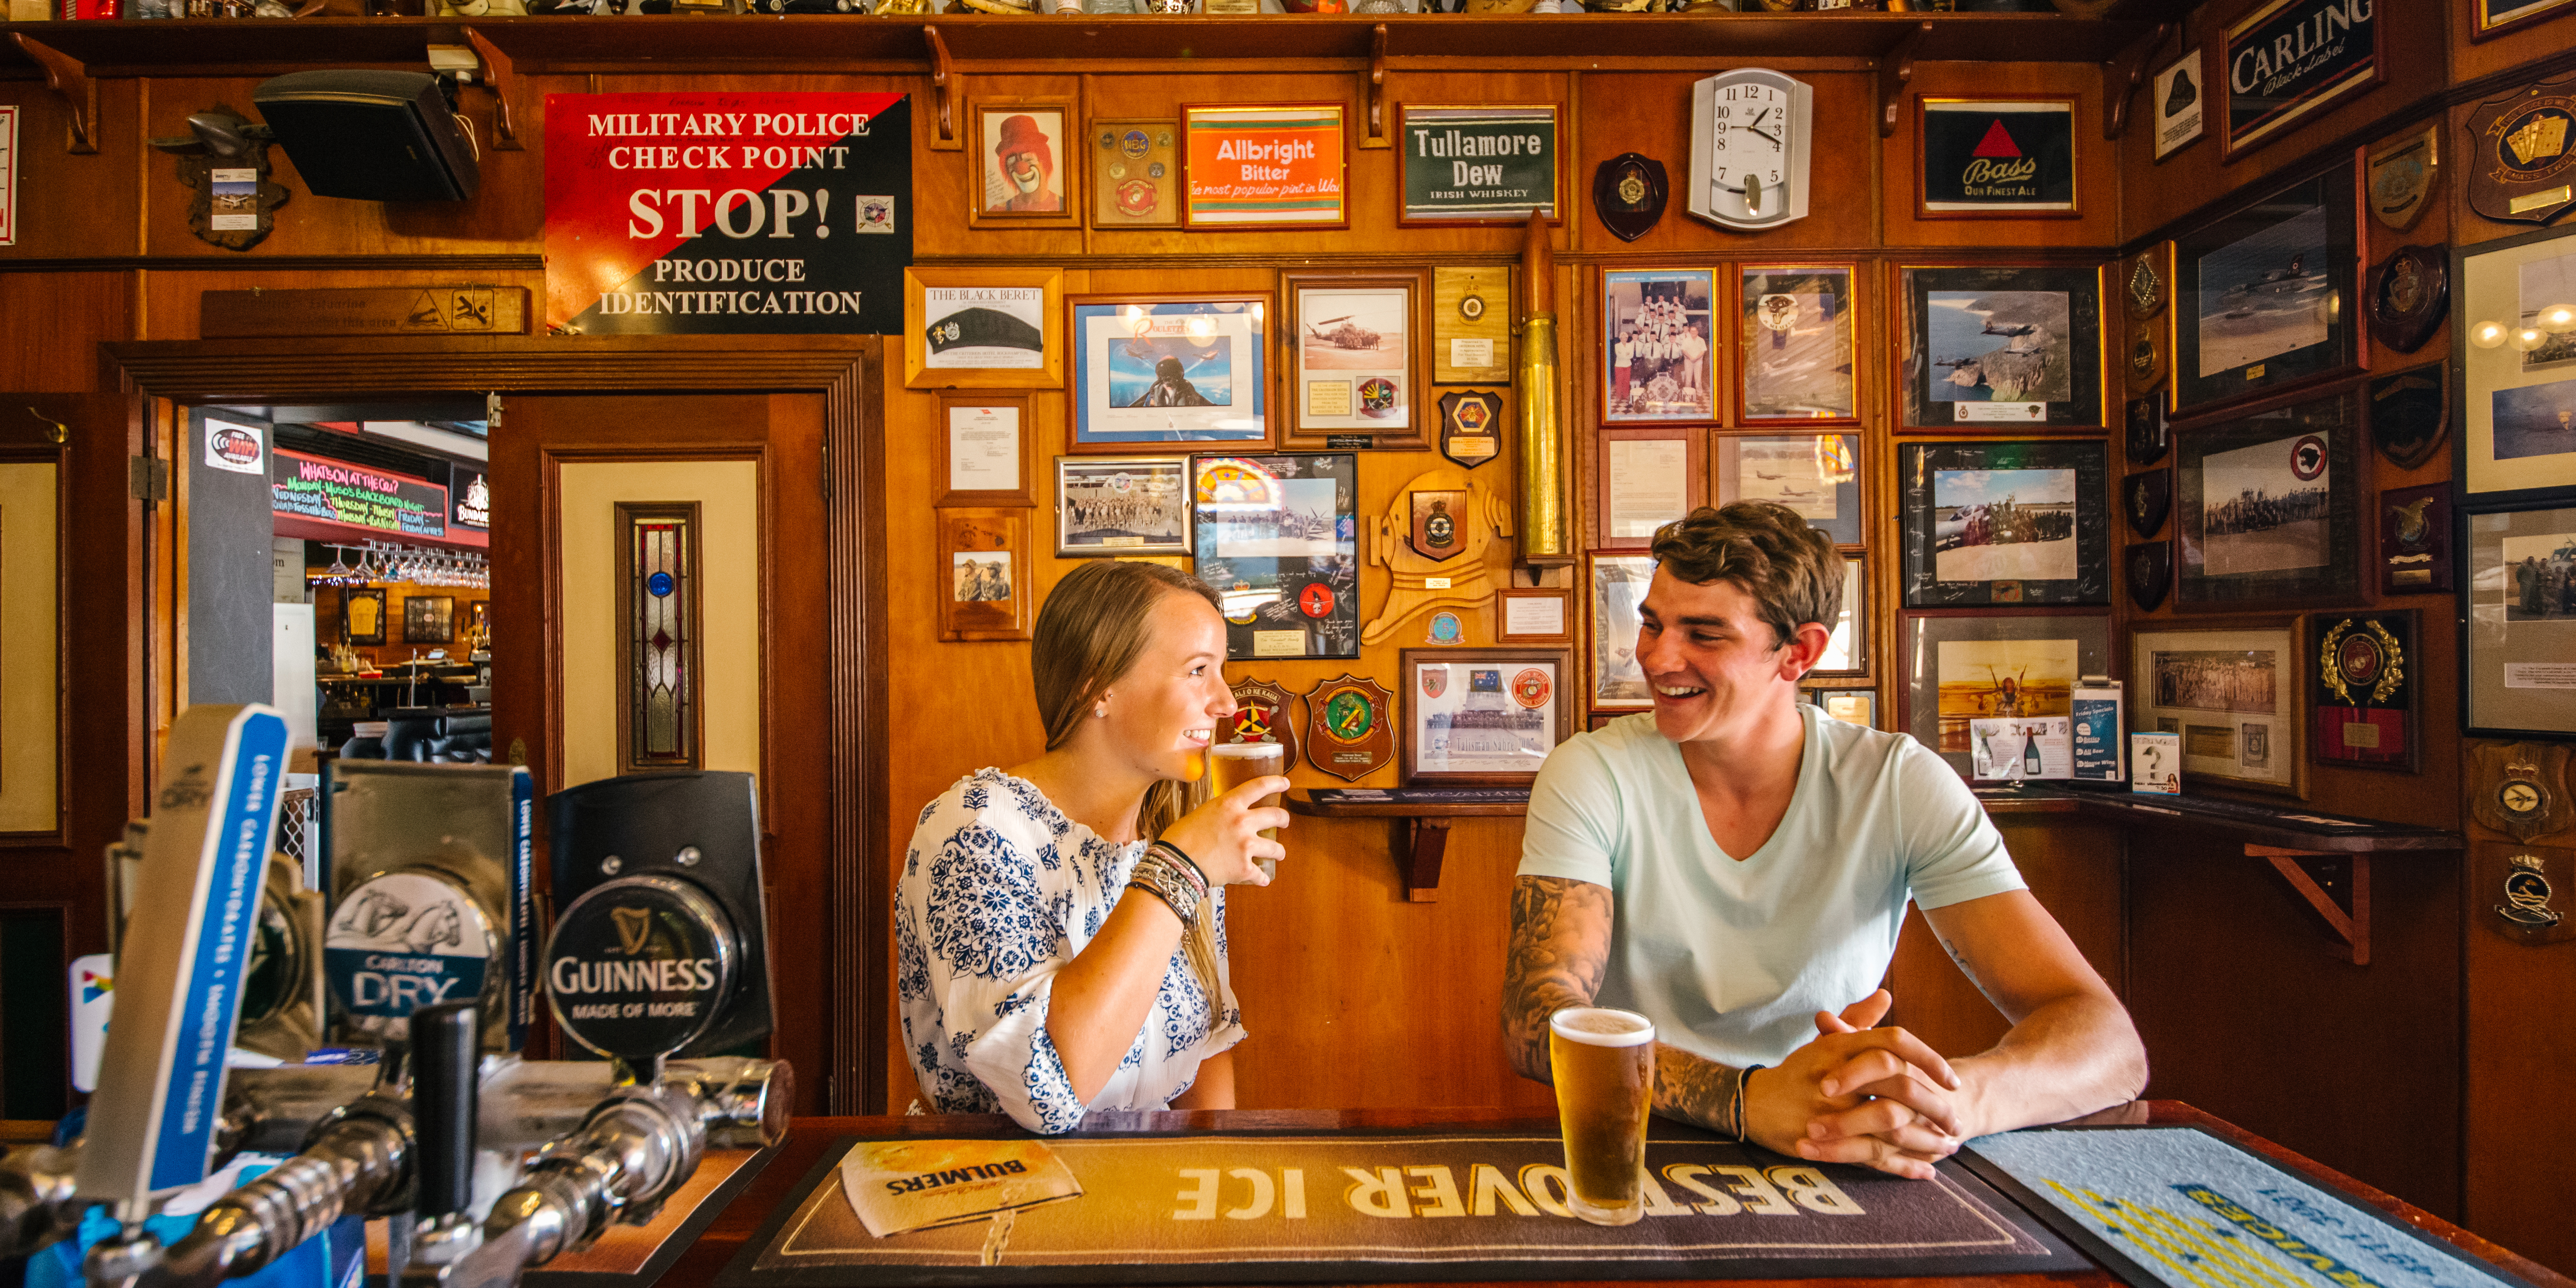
(1759, 857)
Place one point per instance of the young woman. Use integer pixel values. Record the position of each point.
(1060, 926)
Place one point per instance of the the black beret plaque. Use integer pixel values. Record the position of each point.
(1628, 192)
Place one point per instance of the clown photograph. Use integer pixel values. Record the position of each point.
(1021, 167)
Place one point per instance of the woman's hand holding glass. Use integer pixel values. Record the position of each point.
(1224, 837)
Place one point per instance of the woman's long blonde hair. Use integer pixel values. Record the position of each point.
(1093, 627)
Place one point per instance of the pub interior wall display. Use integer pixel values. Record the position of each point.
(1136, 172)
(1434, 538)
(2410, 413)
(1957, 665)
(2268, 506)
(1355, 359)
(1628, 193)
(1271, 165)
(2150, 434)
(1797, 337)
(1150, 370)
(1658, 346)
(1526, 616)
(2491, 18)
(983, 328)
(1350, 727)
(1617, 586)
(1752, 138)
(1122, 505)
(1981, 347)
(2145, 499)
(984, 554)
(1471, 426)
(1847, 641)
(1815, 475)
(1995, 158)
(2263, 296)
(2514, 414)
(2400, 175)
(1649, 477)
(2290, 59)
(2415, 540)
(984, 456)
(2181, 103)
(2363, 690)
(2518, 644)
(1482, 715)
(362, 616)
(1024, 175)
(1277, 536)
(429, 619)
(1851, 706)
(1480, 164)
(2150, 566)
(2519, 153)
(2409, 294)
(1471, 325)
(2006, 522)
(2233, 697)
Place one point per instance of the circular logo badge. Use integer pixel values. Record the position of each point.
(640, 966)
(1377, 397)
(1778, 312)
(1155, 170)
(1133, 144)
(1348, 717)
(1445, 628)
(405, 940)
(1162, 138)
(236, 446)
(2358, 657)
(2308, 457)
(1109, 138)
(1316, 600)
(2534, 144)
(1137, 197)
(1531, 687)
(1117, 169)
(1632, 189)
(1471, 307)
(2518, 799)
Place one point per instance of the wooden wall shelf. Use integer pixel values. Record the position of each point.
(1421, 839)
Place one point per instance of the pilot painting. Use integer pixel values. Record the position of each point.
(1169, 370)
(1989, 348)
(2266, 295)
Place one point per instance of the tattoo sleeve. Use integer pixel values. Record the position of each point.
(1694, 1089)
(1559, 948)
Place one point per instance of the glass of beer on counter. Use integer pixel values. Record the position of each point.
(1604, 1064)
(1232, 764)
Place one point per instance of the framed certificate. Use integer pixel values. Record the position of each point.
(1649, 477)
(984, 449)
(1533, 615)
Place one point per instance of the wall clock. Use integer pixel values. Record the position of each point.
(1750, 142)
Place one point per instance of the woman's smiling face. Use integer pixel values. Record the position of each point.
(1163, 712)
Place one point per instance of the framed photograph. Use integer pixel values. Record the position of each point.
(2363, 690)
(1278, 536)
(1169, 369)
(2491, 18)
(2415, 540)
(2006, 523)
(1482, 715)
(1532, 615)
(2266, 297)
(1649, 477)
(1851, 706)
(1136, 173)
(2180, 102)
(478, 615)
(1995, 158)
(983, 328)
(362, 616)
(2295, 58)
(1481, 164)
(1278, 165)
(1658, 359)
(1021, 176)
(1987, 346)
(2268, 506)
(429, 619)
(1355, 359)
(1847, 649)
(984, 450)
(2514, 409)
(1122, 505)
(985, 554)
(1618, 585)
(1816, 475)
(1955, 666)
(2518, 649)
(2232, 696)
(1797, 336)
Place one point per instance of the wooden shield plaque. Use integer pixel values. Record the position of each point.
(2145, 498)
(1350, 731)
(2409, 293)
(2150, 436)
(2520, 788)
(1471, 426)
(2402, 175)
(2409, 411)
(1439, 525)
(1628, 192)
(2524, 144)
(1263, 712)
(2415, 539)
(2150, 574)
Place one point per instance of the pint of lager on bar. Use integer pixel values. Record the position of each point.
(1604, 1065)
(1232, 764)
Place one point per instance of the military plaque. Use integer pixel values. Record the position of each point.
(2150, 574)
(2363, 693)
(1437, 517)
(2410, 291)
(2145, 290)
(1348, 734)
(2409, 411)
(2523, 890)
(2180, 106)
(1478, 165)
(1134, 173)
(2415, 539)
(2146, 499)
(2520, 171)
(1263, 712)
(2402, 174)
(2150, 435)
(2518, 789)
(1628, 192)
(1471, 325)
(1471, 426)
(2146, 355)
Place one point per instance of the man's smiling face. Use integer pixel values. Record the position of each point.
(1713, 663)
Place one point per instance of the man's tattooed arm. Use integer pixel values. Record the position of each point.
(1560, 946)
(1694, 1089)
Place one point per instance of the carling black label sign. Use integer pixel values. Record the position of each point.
(2288, 59)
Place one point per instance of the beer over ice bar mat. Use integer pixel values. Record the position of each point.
(1305, 1207)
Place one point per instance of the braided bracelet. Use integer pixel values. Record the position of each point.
(1160, 877)
(1743, 1078)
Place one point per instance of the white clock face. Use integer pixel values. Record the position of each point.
(1748, 151)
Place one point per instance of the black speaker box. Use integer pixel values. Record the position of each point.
(371, 135)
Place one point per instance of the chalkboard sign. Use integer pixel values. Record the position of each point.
(353, 499)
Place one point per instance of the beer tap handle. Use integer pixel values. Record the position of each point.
(446, 1045)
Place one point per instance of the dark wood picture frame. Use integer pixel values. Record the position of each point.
(2485, 25)
(1919, 632)
(1509, 662)
(1913, 360)
(1694, 479)
(2212, 290)
(2291, 422)
(2290, 716)
(982, 535)
(348, 625)
(692, 669)
(434, 622)
(1068, 171)
(1264, 307)
(944, 483)
(1595, 644)
(1410, 430)
(1919, 467)
(1927, 105)
(1752, 331)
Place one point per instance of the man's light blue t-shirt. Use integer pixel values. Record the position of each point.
(1730, 959)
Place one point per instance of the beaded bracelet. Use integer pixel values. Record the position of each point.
(1156, 874)
(1735, 1112)
(1197, 874)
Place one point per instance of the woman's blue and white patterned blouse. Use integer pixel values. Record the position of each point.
(999, 891)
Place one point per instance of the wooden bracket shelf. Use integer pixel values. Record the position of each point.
(70, 81)
(2316, 875)
(1420, 839)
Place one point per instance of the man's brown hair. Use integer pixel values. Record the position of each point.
(1790, 569)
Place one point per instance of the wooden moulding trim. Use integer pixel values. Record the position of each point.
(280, 264)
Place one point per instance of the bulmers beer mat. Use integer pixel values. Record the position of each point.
(727, 213)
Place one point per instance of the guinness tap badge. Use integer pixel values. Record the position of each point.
(639, 966)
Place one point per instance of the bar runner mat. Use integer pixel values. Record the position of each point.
(2178, 1207)
(1419, 795)
(1303, 1208)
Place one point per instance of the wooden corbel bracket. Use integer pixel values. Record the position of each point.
(70, 81)
(2313, 873)
(948, 88)
(504, 80)
(1376, 136)
(1418, 846)
(1895, 72)
(2122, 76)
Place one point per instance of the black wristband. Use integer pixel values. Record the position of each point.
(1184, 856)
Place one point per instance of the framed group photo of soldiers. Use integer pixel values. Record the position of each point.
(2268, 506)
(2518, 646)
(1989, 523)
(2231, 695)
(1122, 505)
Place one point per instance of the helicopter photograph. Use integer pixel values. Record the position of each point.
(1351, 330)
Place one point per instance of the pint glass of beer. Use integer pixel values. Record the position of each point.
(1604, 1065)
(1232, 764)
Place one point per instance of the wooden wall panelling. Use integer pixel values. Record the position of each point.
(1649, 112)
(2517, 1058)
(67, 316)
(2504, 52)
(73, 206)
(170, 296)
(2097, 182)
(2074, 869)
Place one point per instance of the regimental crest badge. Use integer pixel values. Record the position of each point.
(2146, 498)
(2525, 151)
(2520, 885)
(2150, 437)
(1471, 426)
(1628, 192)
(2409, 412)
(1348, 734)
(2146, 287)
(2520, 788)
(1262, 714)
(2150, 567)
(1436, 520)
(1435, 681)
(2402, 174)
(2415, 539)
(2409, 294)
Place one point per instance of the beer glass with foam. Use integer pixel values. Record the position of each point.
(1604, 1065)
(1232, 764)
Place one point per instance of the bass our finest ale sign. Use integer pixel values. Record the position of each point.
(2289, 59)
